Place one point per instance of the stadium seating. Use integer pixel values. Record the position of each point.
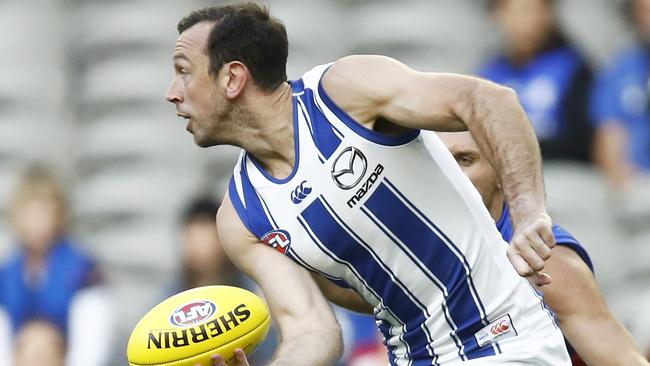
(82, 86)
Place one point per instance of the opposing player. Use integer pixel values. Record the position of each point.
(593, 331)
(335, 178)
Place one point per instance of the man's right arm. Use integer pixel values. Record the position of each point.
(585, 320)
(310, 334)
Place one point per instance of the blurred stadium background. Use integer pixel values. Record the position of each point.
(82, 85)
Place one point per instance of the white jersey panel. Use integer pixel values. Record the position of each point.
(401, 224)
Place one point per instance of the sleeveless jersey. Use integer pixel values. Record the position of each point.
(401, 225)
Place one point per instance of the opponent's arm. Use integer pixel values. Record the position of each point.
(310, 334)
(385, 95)
(343, 297)
(585, 320)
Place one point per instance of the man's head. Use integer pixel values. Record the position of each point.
(527, 24)
(477, 168)
(639, 12)
(220, 53)
(38, 209)
(202, 252)
(39, 342)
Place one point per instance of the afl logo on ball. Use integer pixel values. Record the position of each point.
(349, 168)
(194, 313)
(280, 240)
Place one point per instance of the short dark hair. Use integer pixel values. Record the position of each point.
(246, 33)
(202, 208)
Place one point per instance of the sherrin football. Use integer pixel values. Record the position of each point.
(189, 327)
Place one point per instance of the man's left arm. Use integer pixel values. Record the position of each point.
(375, 89)
(585, 320)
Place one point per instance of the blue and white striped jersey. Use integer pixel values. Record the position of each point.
(400, 224)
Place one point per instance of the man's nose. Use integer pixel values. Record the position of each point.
(174, 94)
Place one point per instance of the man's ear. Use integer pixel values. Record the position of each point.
(236, 76)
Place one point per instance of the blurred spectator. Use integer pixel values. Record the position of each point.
(6, 338)
(621, 111)
(203, 259)
(620, 107)
(49, 278)
(204, 262)
(365, 347)
(39, 342)
(549, 75)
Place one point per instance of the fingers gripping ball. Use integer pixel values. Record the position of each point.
(188, 328)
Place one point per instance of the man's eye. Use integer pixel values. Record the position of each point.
(465, 161)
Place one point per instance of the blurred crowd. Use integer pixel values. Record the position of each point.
(57, 306)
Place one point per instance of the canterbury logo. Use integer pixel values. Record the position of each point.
(300, 193)
(500, 327)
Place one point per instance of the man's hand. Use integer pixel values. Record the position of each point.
(531, 246)
(240, 359)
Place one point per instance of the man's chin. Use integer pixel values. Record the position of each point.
(203, 142)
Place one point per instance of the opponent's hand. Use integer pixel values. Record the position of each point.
(530, 246)
(240, 359)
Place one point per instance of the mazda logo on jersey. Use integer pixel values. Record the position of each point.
(349, 168)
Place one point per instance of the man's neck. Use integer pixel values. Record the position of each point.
(269, 137)
(495, 206)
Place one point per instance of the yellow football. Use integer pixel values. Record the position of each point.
(189, 327)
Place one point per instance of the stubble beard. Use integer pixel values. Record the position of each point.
(218, 124)
(228, 125)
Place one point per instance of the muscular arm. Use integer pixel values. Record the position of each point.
(310, 334)
(597, 336)
(375, 89)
